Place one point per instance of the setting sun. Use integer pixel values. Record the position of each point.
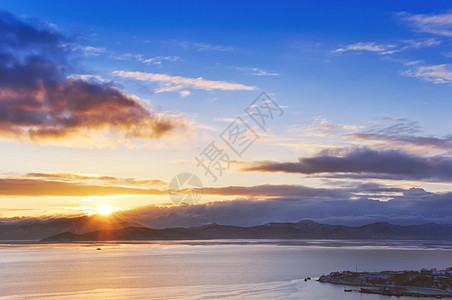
(105, 209)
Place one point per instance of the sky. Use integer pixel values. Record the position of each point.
(104, 103)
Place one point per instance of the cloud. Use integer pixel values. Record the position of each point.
(370, 47)
(365, 163)
(157, 60)
(173, 83)
(20, 187)
(407, 207)
(79, 184)
(86, 50)
(256, 71)
(413, 44)
(66, 175)
(207, 47)
(439, 24)
(412, 206)
(279, 191)
(435, 73)
(260, 72)
(39, 103)
(405, 133)
(84, 176)
(184, 93)
(360, 204)
(385, 49)
(89, 77)
(386, 133)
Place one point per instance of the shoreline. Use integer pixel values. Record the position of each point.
(393, 290)
(370, 282)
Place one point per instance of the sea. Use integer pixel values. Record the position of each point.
(219, 269)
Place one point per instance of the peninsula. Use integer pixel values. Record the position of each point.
(424, 283)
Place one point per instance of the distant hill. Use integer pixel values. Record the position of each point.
(305, 229)
(36, 229)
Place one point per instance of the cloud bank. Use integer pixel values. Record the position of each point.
(413, 206)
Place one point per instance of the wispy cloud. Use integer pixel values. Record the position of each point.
(404, 133)
(90, 177)
(384, 133)
(385, 49)
(369, 47)
(260, 72)
(85, 50)
(438, 24)
(89, 77)
(418, 44)
(256, 71)
(207, 47)
(156, 60)
(174, 83)
(435, 73)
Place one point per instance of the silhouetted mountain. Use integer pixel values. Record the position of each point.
(35, 229)
(305, 229)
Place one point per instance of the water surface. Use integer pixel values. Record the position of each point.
(203, 269)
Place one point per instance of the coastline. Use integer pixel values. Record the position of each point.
(369, 282)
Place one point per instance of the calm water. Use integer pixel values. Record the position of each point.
(202, 270)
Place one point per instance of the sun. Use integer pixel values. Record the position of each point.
(105, 209)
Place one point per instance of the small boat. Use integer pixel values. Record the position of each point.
(305, 279)
(99, 249)
(348, 290)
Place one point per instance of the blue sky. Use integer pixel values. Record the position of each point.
(360, 82)
(295, 40)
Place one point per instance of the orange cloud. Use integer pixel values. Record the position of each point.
(18, 187)
(40, 103)
(83, 176)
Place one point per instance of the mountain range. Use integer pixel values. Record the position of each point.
(38, 229)
(305, 229)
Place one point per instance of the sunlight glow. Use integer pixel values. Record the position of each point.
(105, 209)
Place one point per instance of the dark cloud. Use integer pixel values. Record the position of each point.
(39, 101)
(411, 207)
(365, 163)
(356, 205)
(270, 190)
